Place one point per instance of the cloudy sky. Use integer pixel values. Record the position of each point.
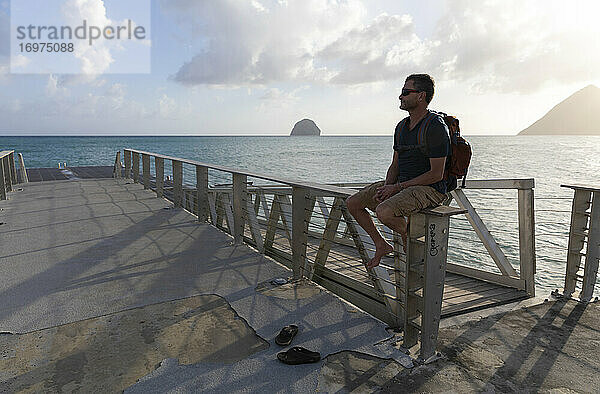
(245, 67)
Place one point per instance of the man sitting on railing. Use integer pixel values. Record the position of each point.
(414, 180)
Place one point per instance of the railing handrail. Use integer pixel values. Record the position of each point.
(338, 191)
(582, 187)
(5, 153)
(519, 183)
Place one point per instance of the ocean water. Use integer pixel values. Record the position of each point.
(550, 160)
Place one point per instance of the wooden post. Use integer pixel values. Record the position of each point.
(117, 167)
(300, 198)
(7, 177)
(127, 156)
(413, 279)
(159, 166)
(202, 193)
(2, 181)
(136, 167)
(239, 205)
(177, 183)
(146, 170)
(399, 273)
(436, 251)
(13, 170)
(593, 251)
(527, 239)
(581, 202)
(24, 176)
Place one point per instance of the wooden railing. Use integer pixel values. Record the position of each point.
(584, 231)
(8, 173)
(300, 224)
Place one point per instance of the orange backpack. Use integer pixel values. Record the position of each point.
(457, 165)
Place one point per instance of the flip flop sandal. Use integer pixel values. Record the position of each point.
(298, 355)
(286, 335)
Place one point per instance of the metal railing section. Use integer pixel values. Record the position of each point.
(306, 225)
(584, 241)
(8, 173)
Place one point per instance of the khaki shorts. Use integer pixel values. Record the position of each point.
(404, 203)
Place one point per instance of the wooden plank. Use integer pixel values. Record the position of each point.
(146, 170)
(265, 206)
(588, 188)
(413, 278)
(253, 226)
(376, 309)
(500, 298)
(272, 223)
(483, 295)
(256, 201)
(136, 167)
(581, 202)
(500, 184)
(24, 177)
(491, 277)
(331, 227)
(212, 203)
(483, 233)
(228, 210)
(285, 207)
(323, 207)
(177, 183)
(299, 227)
(13, 170)
(3, 194)
(593, 251)
(202, 204)
(527, 239)
(355, 284)
(159, 166)
(466, 289)
(239, 205)
(127, 155)
(116, 169)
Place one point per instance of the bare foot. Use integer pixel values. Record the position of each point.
(380, 251)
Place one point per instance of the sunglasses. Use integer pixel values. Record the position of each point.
(406, 92)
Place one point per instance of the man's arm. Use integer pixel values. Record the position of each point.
(392, 172)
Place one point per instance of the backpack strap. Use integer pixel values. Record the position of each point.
(400, 128)
(423, 129)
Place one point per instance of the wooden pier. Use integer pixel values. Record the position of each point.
(307, 227)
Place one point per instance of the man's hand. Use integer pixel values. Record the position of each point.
(386, 191)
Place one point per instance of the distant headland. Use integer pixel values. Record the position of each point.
(306, 127)
(576, 115)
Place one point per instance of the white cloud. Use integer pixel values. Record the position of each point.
(166, 106)
(19, 61)
(95, 59)
(516, 46)
(493, 45)
(247, 45)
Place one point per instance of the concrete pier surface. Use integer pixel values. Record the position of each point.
(107, 288)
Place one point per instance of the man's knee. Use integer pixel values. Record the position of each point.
(353, 203)
(384, 213)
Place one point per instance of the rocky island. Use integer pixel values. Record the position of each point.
(306, 127)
